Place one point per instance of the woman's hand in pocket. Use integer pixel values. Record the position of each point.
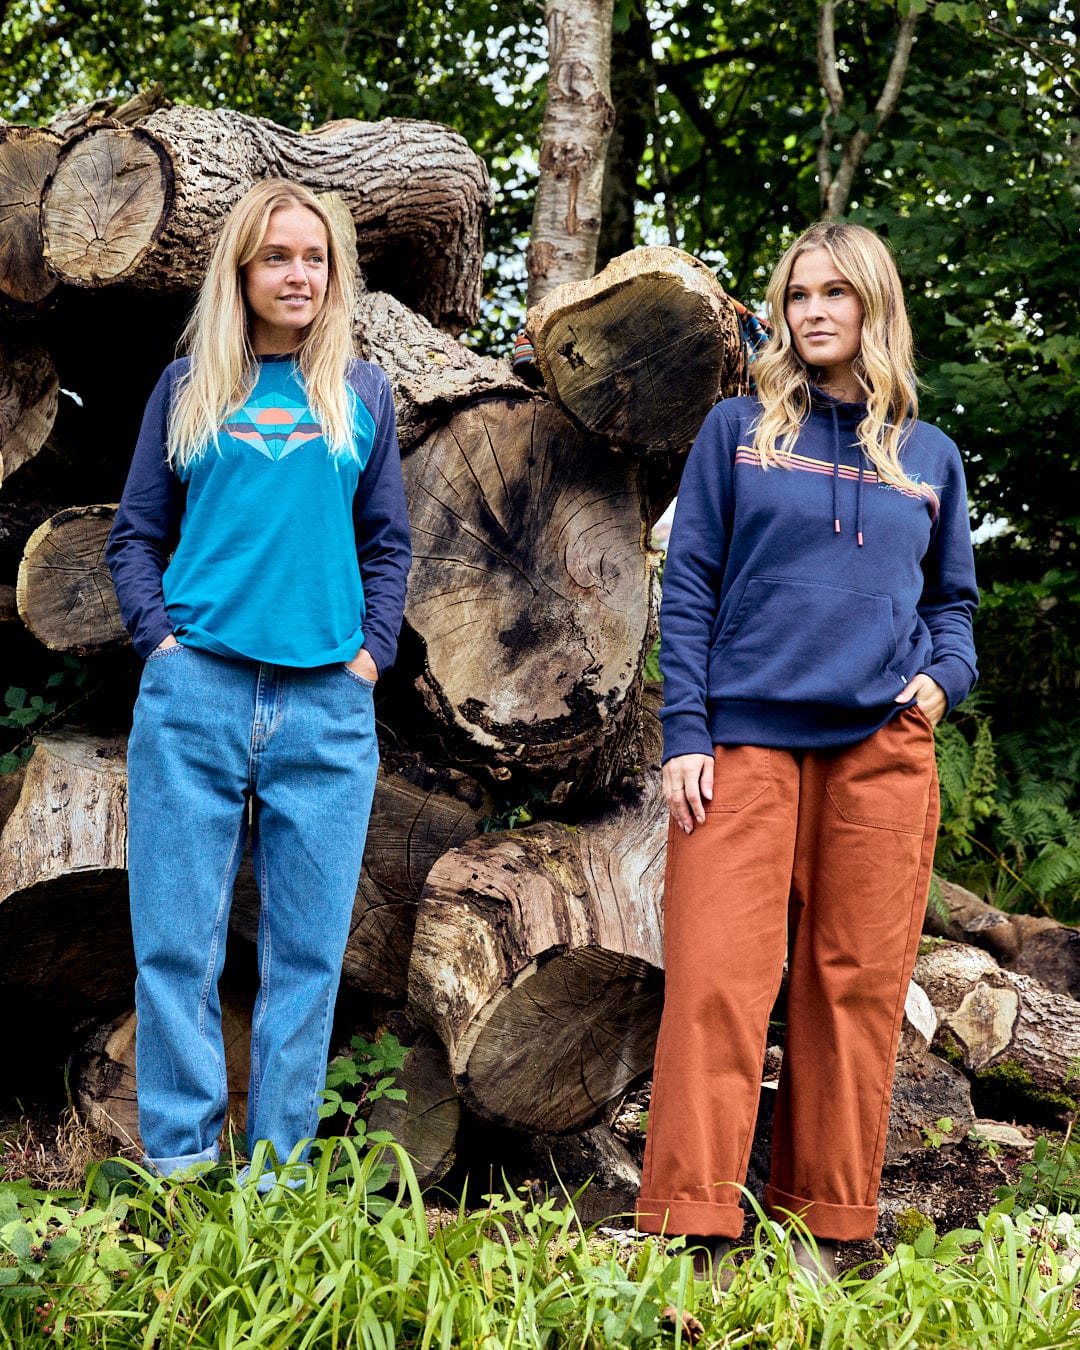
(929, 696)
(364, 666)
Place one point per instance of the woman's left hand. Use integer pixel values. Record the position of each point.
(929, 696)
(363, 665)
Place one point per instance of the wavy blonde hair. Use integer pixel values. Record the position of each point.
(884, 365)
(218, 335)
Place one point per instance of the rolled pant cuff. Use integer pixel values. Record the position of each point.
(835, 1223)
(167, 1167)
(674, 1218)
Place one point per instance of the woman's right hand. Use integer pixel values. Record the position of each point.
(165, 642)
(688, 781)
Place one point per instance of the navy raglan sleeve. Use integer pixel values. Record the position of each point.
(693, 577)
(147, 526)
(950, 595)
(381, 520)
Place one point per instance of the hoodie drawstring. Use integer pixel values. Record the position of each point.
(836, 483)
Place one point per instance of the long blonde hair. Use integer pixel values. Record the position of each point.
(218, 339)
(884, 365)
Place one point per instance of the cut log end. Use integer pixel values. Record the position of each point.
(531, 594)
(29, 390)
(27, 158)
(642, 351)
(107, 201)
(65, 592)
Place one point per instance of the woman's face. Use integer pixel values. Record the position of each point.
(285, 283)
(825, 316)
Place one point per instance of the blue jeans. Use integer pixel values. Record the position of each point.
(208, 734)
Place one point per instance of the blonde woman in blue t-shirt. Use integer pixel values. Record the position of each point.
(260, 555)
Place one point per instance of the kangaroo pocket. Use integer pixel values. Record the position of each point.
(806, 642)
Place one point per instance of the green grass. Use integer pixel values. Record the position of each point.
(162, 1264)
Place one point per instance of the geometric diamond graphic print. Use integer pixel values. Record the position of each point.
(274, 424)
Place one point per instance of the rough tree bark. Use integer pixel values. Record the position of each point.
(142, 204)
(578, 117)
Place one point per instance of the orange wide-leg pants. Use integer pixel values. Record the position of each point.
(825, 857)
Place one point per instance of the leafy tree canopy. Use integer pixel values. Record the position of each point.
(974, 176)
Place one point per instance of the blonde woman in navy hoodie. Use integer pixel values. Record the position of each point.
(816, 626)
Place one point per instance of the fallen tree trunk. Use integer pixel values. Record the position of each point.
(997, 1020)
(641, 352)
(27, 158)
(64, 928)
(143, 204)
(551, 1003)
(29, 388)
(65, 592)
(1029, 944)
(530, 592)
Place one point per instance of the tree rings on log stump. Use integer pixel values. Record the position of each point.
(105, 204)
(27, 158)
(640, 352)
(65, 592)
(530, 590)
(29, 389)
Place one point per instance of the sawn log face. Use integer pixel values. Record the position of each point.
(531, 592)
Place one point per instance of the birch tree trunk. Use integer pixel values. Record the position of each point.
(578, 118)
(834, 186)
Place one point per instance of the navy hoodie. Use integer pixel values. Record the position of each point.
(798, 601)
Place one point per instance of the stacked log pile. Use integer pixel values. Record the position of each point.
(525, 965)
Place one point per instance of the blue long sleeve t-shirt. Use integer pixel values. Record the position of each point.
(799, 601)
(266, 547)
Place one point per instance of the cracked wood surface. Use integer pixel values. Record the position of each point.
(65, 592)
(531, 592)
(27, 158)
(64, 929)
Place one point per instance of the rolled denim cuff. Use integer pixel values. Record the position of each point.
(167, 1167)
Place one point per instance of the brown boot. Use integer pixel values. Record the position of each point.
(817, 1256)
(711, 1259)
